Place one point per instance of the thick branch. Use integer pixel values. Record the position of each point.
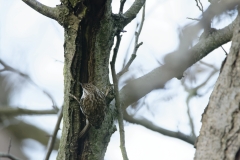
(7, 111)
(132, 12)
(157, 78)
(43, 9)
(148, 124)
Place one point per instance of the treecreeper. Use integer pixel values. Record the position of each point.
(93, 106)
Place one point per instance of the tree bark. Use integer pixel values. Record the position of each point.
(88, 34)
(219, 136)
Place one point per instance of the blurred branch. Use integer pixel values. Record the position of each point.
(19, 131)
(216, 10)
(132, 12)
(9, 68)
(194, 91)
(7, 111)
(8, 156)
(117, 99)
(190, 120)
(43, 9)
(52, 139)
(136, 46)
(174, 67)
(148, 124)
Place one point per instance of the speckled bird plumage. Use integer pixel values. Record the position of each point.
(93, 104)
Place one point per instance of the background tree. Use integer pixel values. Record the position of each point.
(89, 31)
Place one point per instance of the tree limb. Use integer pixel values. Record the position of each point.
(132, 12)
(148, 124)
(43, 9)
(7, 111)
(157, 78)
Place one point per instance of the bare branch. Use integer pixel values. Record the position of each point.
(157, 78)
(136, 46)
(9, 68)
(195, 19)
(132, 12)
(117, 99)
(190, 119)
(19, 128)
(43, 9)
(224, 51)
(121, 6)
(52, 139)
(199, 5)
(7, 111)
(8, 156)
(148, 124)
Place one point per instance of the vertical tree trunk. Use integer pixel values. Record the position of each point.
(87, 46)
(219, 136)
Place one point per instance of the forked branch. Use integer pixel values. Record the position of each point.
(136, 46)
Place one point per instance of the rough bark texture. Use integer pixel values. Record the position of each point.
(219, 136)
(89, 33)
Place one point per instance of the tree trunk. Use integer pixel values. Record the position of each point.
(89, 35)
(219, 136)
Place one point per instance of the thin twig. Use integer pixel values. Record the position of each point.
(199, 6)
(87, 126)
(224, 50)
(195, 19)
(9, 68)
(117, 99)
(75, 98)
(190, 117)
(10, 144)
(4, 155)
(52, 139)
(136, 46)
